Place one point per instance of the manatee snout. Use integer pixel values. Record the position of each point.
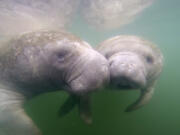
(91, 73)
(94, 74)
(127, 70)
(74, 65)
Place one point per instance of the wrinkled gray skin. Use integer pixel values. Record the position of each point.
(44, 61)
(134, 63)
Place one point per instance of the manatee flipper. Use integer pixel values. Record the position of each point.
(85, 109)
(13, 119)
(84, 106)
(68, 105)
(146, 95)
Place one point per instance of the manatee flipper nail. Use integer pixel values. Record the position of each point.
(145, 97)
(68, 105)
(85, 109)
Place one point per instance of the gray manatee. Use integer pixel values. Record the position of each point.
(19, 16)
(112, 14)
(44, 61)
(38, 56)
(134, 63)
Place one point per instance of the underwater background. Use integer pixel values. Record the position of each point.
(160, 23)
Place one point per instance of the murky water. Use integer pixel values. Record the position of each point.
(159, 24)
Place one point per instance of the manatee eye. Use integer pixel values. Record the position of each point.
(61, 55)
(149, 59)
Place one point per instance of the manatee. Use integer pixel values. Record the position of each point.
(112, 14)
(44, 61)
(19, 16)
(37, 55)
(134, 63)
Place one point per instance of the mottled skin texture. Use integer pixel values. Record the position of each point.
(44, 61)
(134, 63)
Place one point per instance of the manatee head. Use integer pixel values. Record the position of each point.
(73, 64)
(134, 63)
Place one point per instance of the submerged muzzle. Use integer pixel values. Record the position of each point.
(127, 70)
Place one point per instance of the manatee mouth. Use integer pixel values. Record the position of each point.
(125, 83)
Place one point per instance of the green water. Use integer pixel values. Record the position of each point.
(160, 24)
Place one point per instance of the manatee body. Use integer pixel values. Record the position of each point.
(134, 63)
(44, 61)
(19, 16)
(111, 14)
